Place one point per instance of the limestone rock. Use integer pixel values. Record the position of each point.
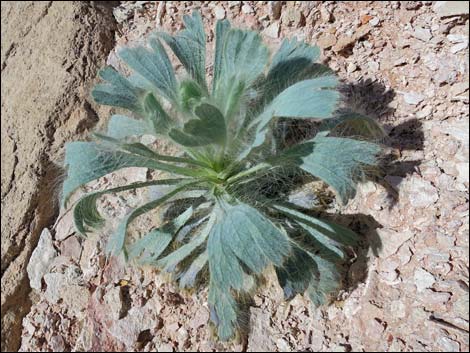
(451, 8)
(41, 259)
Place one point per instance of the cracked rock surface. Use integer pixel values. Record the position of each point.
(50, 54)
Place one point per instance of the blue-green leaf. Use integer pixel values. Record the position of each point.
(169, 262)
(118, 92)
(221, 29)
(209, 128)
(87, 161)
(348, 123)
(154, 65)
(156, 116)
(117, 239)
(148, 248)
(122, 127)
(86, 214)
(190, 47)
(188, 278)
(339, 162)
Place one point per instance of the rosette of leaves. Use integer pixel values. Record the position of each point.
(229, 222)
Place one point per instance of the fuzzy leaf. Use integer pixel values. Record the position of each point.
(209, 128)
(337, 161)
(87, 161)
(122, 127)
(314, 98)
(289, 64)
(331, 230)
(154, 65)
(221, 29)
(224, 310)
(348, 123)
(117, 239)
(156, 116)
(244, 57)
(169, 262)
(190, 47)
(188, 278)
(152, 245)
(86, 214)
(119, 92)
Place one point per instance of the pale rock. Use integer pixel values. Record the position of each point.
(247, 9)
(457, 38)
(346, 42)
(392, 240)
(57, 343)
(292, 16)
(425, 112)
(272, 30)
(451, 8)
(458, 88)
(219, 12)
(166, 347)
(65, 225)
(463, 172)
(41, 259)
(423, 279)
(232, 4)
(435, 301)
(421, 193)
(458, 47)
(200, 319)
(325, 15)
(283, 345)
(373, 66)
(374, 22)
(423, 34)
(413, 98)
(351, 68)
(446, 344)
(260, 338)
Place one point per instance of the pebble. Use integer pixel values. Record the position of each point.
(374, 22)
(451, 8)
(351, 68)
(423, 279)
(272, 30)
(458, 47)
(219, 12)
(413, 98)
(246, 9)
(423, 34)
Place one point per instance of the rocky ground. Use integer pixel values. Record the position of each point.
(403, 63)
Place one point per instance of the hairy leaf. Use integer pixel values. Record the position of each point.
(209, 128)
(87, 161)
(154, 65)
(190, 47)
(337, 161)
(117, 239)
(121, 127)
(119, 92)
